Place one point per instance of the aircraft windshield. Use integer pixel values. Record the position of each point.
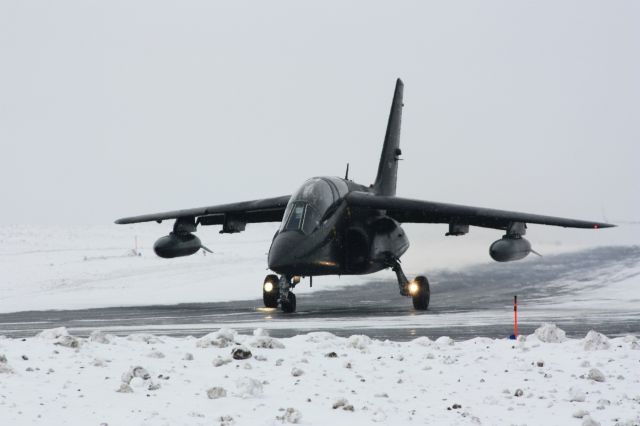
(307, 206)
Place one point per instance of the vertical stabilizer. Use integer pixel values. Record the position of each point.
(385, 183)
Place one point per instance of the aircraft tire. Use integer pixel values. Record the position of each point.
(290, 305)
(421, 299)
(270, 298)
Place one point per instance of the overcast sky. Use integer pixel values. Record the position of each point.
(114, 108)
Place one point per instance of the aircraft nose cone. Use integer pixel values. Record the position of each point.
(281, 255)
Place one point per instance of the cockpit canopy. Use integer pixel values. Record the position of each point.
(310, 203)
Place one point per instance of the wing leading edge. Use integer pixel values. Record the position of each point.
(407, 210)
(254, 211)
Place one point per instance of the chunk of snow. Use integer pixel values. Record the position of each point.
(216, 392)
(188, 357)
(248, 387)
(4, 365)
(291, 415)
(67, 341)
(296, 372)
(137, 382)
(576, 394)
(98, 362)
(595, 375)
(137, 371)
(260, 332)
(221, 338)
(53, 333)
(422, 341)
(594, 341)
(359, 341)
(219, 361)
(588, 421)
(144, 338)
(342, 403)
(550, 333)
(124, 388)
(266, 342)
(100, 337)
(226, 420)
(444, 341)
(580, 414)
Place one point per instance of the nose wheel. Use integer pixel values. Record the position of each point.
(277, 291)
(270, 293)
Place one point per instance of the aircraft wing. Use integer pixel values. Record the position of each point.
(254, 211)
(406, 210)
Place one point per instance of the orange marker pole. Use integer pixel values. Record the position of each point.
(515, 316)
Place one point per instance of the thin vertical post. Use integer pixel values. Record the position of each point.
(515, 316)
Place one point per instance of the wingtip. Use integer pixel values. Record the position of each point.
(399, 82)
(604, 225)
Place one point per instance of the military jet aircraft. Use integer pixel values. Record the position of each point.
(334, 226)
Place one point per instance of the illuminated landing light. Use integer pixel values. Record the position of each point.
(413, 288)
(596, 226)
(268, 287)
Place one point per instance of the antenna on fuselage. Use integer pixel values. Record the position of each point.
(346, 175)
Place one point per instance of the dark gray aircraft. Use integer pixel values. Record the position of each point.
(334, 226)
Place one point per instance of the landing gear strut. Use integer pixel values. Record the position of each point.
(277, 291)
(418, 289)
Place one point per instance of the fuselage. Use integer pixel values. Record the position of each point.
(321, 235)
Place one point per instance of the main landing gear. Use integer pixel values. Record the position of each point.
(418, 288)
(277, 291)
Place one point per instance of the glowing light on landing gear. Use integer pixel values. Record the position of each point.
(413, 288)
(268, 287)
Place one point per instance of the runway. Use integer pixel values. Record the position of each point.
(564, 289)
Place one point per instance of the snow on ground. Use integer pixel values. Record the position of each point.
(85, 267)
(55, 267)
(318, 378)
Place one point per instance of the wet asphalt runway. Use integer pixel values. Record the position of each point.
(475, 301)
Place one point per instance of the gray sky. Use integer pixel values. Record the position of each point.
(115, 108)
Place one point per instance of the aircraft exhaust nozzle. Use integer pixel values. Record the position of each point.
(508, 249)
(177, 245)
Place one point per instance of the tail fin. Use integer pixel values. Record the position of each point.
(385, 183)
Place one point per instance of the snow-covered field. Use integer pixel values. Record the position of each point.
(318, 378)
(71, 267)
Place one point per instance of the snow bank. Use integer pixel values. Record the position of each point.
(319, 378)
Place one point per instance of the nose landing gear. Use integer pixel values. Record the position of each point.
(418, 288)
(277, 291)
